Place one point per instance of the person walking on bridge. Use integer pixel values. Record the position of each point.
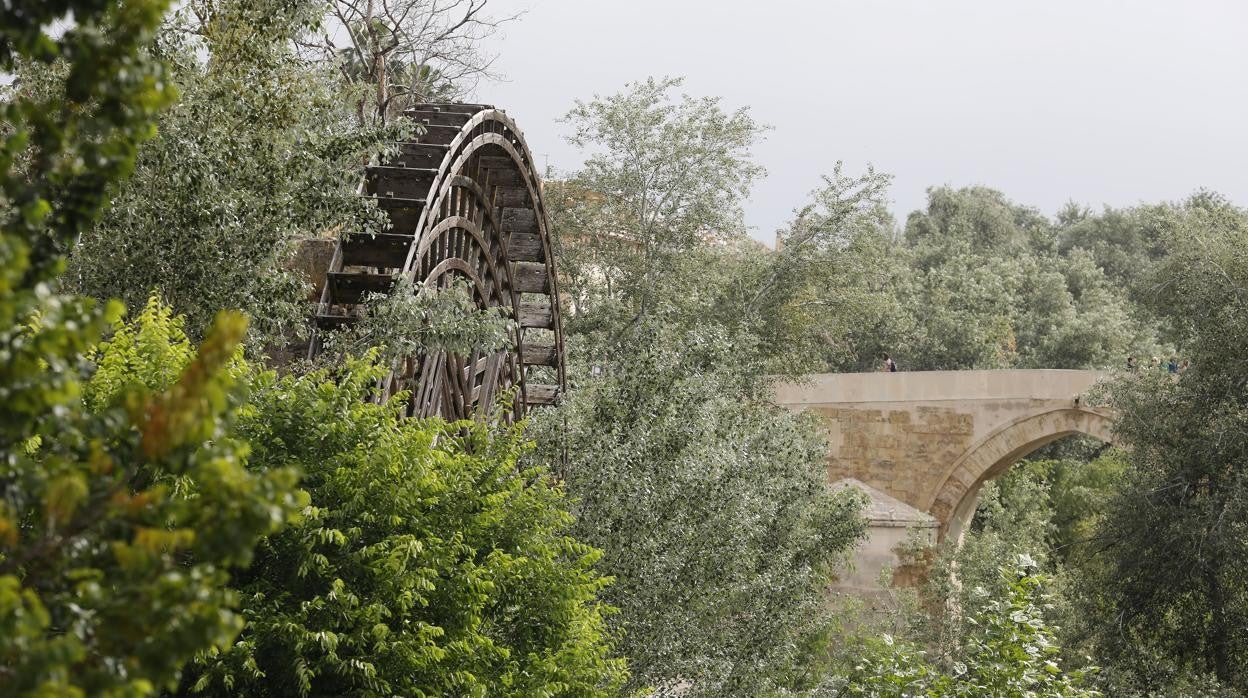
(889, 364)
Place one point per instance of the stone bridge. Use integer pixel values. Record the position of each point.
(923, 443)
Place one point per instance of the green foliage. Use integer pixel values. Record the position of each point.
(674, 172)
(117, 531)
(79, 138)
(710, 503)
(117, 525)
(1172, 567)
(976, 282)
(1013, 518)
(829, 285)
(426, 563)
(1010, 651)
(259, 150)
(1145, 544)
(410, 320)
(1124, 243)
(151, 351)
(992, 291)
(662, 178)
(974, 220)
(49, 193)
(1045, 509)
(711, 508)
(1078, 493)
(887, 668)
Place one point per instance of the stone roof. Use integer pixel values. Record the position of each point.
(884, 510)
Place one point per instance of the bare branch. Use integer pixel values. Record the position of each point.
(412, 49)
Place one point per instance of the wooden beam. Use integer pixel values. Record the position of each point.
(438, 135)
(539, 355)
(452, 107)
(537, 314)
(400, 182)
(431, 117)
(525, 247)
(519, 220)
(380, 250)
(418, 155)
(541, 394)
(530, 277)
(351, 287)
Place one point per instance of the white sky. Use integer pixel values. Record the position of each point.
(1097, 101)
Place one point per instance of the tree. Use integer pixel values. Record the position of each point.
(662, 178)
(975, 282)
(975, 220)
(117, 526)
(991, 291)
(1172, 539)
(412, 318)
(398, 53)
(258, 151)
(830, 285)
(709, 502)
(425, 562)
(117, 530)
(712, 510)
(1123, 242)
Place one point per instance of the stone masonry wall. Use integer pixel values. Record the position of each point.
(902, 452)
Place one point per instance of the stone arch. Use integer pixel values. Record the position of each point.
(954, 499)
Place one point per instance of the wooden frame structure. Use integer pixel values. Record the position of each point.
(464, 202)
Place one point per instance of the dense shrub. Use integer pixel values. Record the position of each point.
(425, 564)
(1009, 652)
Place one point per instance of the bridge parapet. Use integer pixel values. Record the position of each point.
(937, 386)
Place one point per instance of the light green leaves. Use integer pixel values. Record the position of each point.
(1008, 652)
(426, 563)
(108, 581)
(131, 514)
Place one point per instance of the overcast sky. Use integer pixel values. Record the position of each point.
(1096, 101)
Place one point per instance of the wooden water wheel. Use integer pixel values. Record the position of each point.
(464, 202)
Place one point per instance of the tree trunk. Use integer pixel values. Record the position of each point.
(1218, 654)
